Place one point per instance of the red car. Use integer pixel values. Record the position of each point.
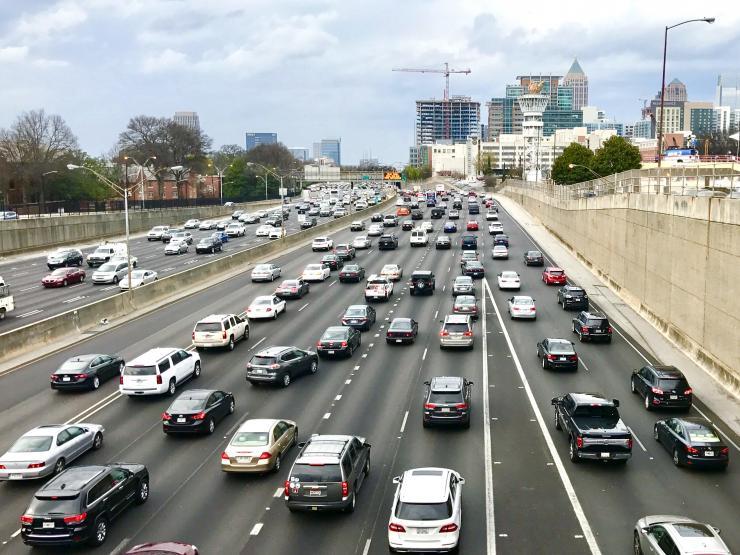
(552, 275)
(472, 226)
(61, 277)
(175, 548)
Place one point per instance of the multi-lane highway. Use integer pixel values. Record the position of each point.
(522, 494)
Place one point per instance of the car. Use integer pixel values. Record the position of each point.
(263, 230)
(308, 223)
(167, 235)
(221, 225)
(107, 252)
(249, 218)
(403, 211)
(662, 387)
(236, 230)
(442, 243)
(313, 212)
(8, 215)
(677, 535)
(192, 224)
(47, 450)
(534, 258)
(176, 246)
(495, 228)
(407, 225)
(357, 225)
(387, 242)
(280, 365)
(377, 217)
(463, 285)
(557, 353)
(491, 215)
(522, 307)
(259, 446)
(474, 269)
(158, 371)
(351, 273)
(293, 289)
(332, 261)
(110, 272)
(414, 204)
(500, 252)
(421, 282)
(453, 215)
(208, 245)
(197, 411)
(501, 239)
(78, 505)
(469, 242)
(592, 325)
(322, 244)
(206, 225)
(315, 272)
(335, 466)
(466, 304)
(220, 330)
(64, 258)
(450, 227)
(163, 548)
(693, 442)
(183, 236)
(572, 296)
(428, 499)
(361, 242)
(155, 234)
(447, 400)
(402, 330)
(338, 341)
(339, 212)
(266, 272)
(393, 272)
(457, 331)
(236, 214)
(419, 238)
(552, 275)
(277, 233)
(389, 220)
(61, 277)
(427, 226)
(266, 306)
(220, 236)
(438, 212)
(139, 278)
(375, 230)
(457, 204)
(345, 251)
(359, 316)
(86, 371)
(466, 256)
(378, 287)
(508, 280)
(471, 225)
(261, 214)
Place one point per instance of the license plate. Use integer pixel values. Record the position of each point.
(708, 453)
(66, 378)
(398, 341)
(424, 530)
(244, 460)
(354, 321)
(674, 397)
(47, 525)
(16, 476)
(314, 492)
(446, 409)
(605, 455)
(330, 352)
(259, 370)
(562, 358)
(181, 420)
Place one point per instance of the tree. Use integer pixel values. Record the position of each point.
(485, 163)
(275, 156)
(717, 143)
(616, 155)
(578, 155)
(226, 155)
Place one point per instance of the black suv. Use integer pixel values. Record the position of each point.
(328, 473)
(67, 258)
(279, 365)
(417, 215)
(377, 217)
(208, 244)
(421, 282)
(78, 505)
(469, 242)
(534, 258)
(592, 325)
(437, 213)
(661, 386)
(387, 242)
(447, 401)
(572, 296)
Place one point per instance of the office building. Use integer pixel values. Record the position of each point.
(332, 149)
(593, 127)
(675, 91)
(578, 81)
(643, 129)
(455, 119)
(300, 153)
(256, 139)
(629, 131)
(673, 120)
(698, 117)
(727, 92)
(187, 119)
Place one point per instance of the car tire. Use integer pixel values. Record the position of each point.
(59, 466)
(115, 280)
(351, 507)
(171, 387)
(648, 402)
(276, 466)
(573, 452)
(632, 385)
(97, 441)
(196, 370)
(676, 458)
(100, 533)
(285, 382)
(314, 367)
(64, 283)
(211, 426)
(556, 420)
(636, 549)
(142, 493)
(230, 345)
(232, 407)
(544, 363)
(656, 437)
(274, 315)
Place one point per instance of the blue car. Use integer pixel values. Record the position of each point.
(221, 236)
(450, 227)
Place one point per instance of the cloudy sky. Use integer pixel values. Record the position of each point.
(322, 68)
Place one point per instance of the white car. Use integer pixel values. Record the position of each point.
(220, 330)
(138, 278)
(392, 271)
(375, 230)
(205, 225)
(176, 246)
(491, 215)
(426, 514)
(361, 242)
(261, 213)
(419, 238)
(277, 233)
(192, 224)
(266, 306)
(495, 227)
(236, 230)
(508, 280)
(155, 234)
(357, 225)
(159, 371)
(378, 287)
(500, 251)
(249, 218)
(522, 306)
(427, 226)
(266, 272)
(264, 230)
(322, 244)
(316, 272)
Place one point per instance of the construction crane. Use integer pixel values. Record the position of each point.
(446, 71)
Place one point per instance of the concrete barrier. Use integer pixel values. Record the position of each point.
(86, 318)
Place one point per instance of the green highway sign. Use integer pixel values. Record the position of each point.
(365, 177)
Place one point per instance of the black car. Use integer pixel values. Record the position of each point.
(197, 411)
(417, 215)
(662, 387)
(422, 282)
(533, 258)
(313, 212)
(592, 325)
(332, 261)
(274, 221)
(501, 239)
(414, 204)
(208, 245)
(457, 205)
(442, 242)
(572, 296)
(474, 269)
(352, 273)
(407, 225)
(86, 371)
(692, 442)
(359, 316)
(78, 505)
(387, 242)
(402, 330)
(308, 222)
(447, 401)
(338, 341)
(469, 242)
(66, 259)
(345, 251)
(377, 217)
(557, 353)
(280, 365)
(473, 208)
(438, 212)
(293, 288)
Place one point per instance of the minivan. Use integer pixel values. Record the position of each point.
(419, 238)
(158, 371)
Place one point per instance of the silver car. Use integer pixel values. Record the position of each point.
(676, 535)
(457, 331)
(265, 272)
(463, 285)
(47, 450)
(110, 272)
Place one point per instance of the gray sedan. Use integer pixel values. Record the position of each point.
(47, 450)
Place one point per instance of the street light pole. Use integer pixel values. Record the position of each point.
(43, 186)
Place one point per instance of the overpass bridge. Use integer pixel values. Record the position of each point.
(327, 174)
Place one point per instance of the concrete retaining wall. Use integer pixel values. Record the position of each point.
(675, 259)
(86, 319)
(18, 236)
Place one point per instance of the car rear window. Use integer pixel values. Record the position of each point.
(316, 473)
(262, 361)
(445, 397)
(556, 272)
(424, 511)
(73, 365)
(597, 411)
(693, 530)
(208, 326)
(456, 328)
(703, 436)
(355, 312)
(400, 326)
(596, 322)
(557, 348)
(334, 334)
(57, 506)
(668, 384)
(250, 439)
(140, 371)
(31, 444)
(186, 405)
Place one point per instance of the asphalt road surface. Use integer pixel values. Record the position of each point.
(522, 494)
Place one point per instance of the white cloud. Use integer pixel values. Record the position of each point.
(165, 61)
(13, 54)
(61, 17)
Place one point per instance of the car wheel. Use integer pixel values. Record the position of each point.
(636, 544)
(648, 402)
(573, 452)
(196, 370)
(367, 467)
(286, 379)
(64, 283)
(351, 507)
(276, 466)
(556, 420)
(314, 367)
(59, 466)
(96, 382)
(101, 532)
(211, 425)
(171, 387)
(676, 459)
(142, 495)
(655, 433)
(274, 315)
(544, 363)
(115, 280)
(230, 346)
(97, 441)
(563, 305)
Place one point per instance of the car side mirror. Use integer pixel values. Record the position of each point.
(302, 444)
(716, 530)
(555, 401)
(461, 480)
(397, 480)
(616, 402)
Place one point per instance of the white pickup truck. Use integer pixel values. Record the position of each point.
(6, 299)
(378, 287)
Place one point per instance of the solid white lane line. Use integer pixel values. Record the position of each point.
(424, 356)
(403, 424)
(98, 409)
(16, 533)
(91, 407)
(337, 398)
(567, 484)
(583, 364)
(256, 529)
(304, 306)
(278, 492)
(637, 439)
(367, 547)
(332, 283)
(490, 513)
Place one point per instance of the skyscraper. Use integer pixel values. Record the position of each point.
(187, 119)
(332, 148)
(256, 139)
(453, 120)
(300, 153)
(675, 91)
(728, 91)
(577, 79)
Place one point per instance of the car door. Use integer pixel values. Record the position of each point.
(187, 363)
(643, 382)
(79, 443)
(303, 361)
(64, 447)
(107, 367)
(123, 492)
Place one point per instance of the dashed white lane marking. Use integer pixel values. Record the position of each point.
(449, 268)
(357, 367)
(424, 356)
(258, 342)
(403, 424)
(16, 533)
(327, 415)
(304, 306)
(347, 382)
(332, 283)
(167, 269)
(27, 314)
(444, 287)
(76, 285)
(337, 398)
(278, 492)
(256, 529)
(637, 439)
(109, 288)
(28, 288)
(436, 314)
(367, 547)
(377, 335)
(370, 346)
(74, 299)
(583, 364)
(503, 535)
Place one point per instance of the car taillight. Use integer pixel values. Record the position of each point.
(274, 366)
(199, 415)
(26, 519)
(53, 377)
(444, 333)
(345, 489)
(223, 335)
(166, 416)
(656, 391)
(37, 465)
(430, 406)
(286, 488)
(468, 333)
(318, 343)
(609, 329)
(264, 456)
(120, 379)
(224, 456)
(629, 443)
(2, 467)
(692, 450)
(75, 519)
(573, 358)
(579, 442)
(551, 357)
(584, 329)
(193, 336)
(293, 289)
(344, 343)
(724, 451)
(689, 391)
(461, 406)
(393, 527)
(448, 528)
(268, 309)
(159, 379)
(80, 376)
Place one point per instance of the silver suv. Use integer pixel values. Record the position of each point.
(457, 331)
(463, 285)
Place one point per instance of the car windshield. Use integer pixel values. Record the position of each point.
(289, 283)
(465, 301)
(208, 326)
(575, 291)
(456, 328)
(693, 530)
(59, 272)
(140, 371)
(205, 241)
(534, 253)
(186, 405)
(250, 439)
(595, 322)
(261, 268)
(351, 268)
(424, 511)
(556, 272)
(509, 275)
(561, 347)
(474, 264)
(73, 364)
(500, 248)
(333, 334)
(400, 325)
(31, 444)
(463, 280)
(522, 301)
(107, 268)
(262, 360)
(702, 435)
(597, 411)
(355, 312)
(61, 506)
(316, 473)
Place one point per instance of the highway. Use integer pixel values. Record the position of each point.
(522, 494)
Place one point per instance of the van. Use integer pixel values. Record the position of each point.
(419, 238)
(158, 371)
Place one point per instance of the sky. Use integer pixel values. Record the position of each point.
(313, 69)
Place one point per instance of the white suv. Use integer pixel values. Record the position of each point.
(220, 330)
(427, 511)
(322, 244)
(158, 371)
